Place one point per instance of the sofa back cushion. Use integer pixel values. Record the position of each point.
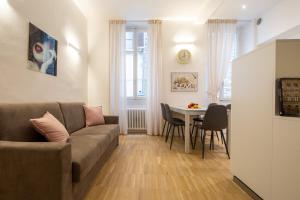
(15, 122)
(74, 116)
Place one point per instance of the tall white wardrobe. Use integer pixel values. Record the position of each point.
(265, 147)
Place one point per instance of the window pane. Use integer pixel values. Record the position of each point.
(129, 88)
(129, 74)
(227, 85)
(129, 66)
(141, 70)
(140, 88)
(129, 41)
(142, 41)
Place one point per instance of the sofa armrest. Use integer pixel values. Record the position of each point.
(111, 119)
(35, 170)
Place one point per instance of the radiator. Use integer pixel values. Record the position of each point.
(136, 119)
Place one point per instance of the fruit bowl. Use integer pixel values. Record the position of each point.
(193, 106)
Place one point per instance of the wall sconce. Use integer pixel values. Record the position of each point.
(73, 46)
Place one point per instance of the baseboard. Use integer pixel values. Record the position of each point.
(137, 132)
(245, 188)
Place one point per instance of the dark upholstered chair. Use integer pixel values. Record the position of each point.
(164, 115)
(199, 120)
(173, 123)
(215, 120)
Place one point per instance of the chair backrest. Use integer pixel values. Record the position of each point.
(169, 116)
(215, 118)
(212, 104)
(163, 111)
(228, 106)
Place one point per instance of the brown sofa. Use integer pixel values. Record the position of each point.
(33, 169)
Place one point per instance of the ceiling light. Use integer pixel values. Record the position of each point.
(244, 6)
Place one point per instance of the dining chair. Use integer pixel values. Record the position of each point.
(215, 120)
(173, 123)
(163, 111)
(199, 120)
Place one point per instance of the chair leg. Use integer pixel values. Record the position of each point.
(201, 135)
(191, 140)
(195, 139)
(179, 133)
(211, 140)
(194, 123)
(183, 135)
(222, 135)
(168, 132)
(164, 128)
(203, 144)
(217, 135)
(172, 137)
(222, 141)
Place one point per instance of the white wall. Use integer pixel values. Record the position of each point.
(246, 37)
(98, 69)
(283, 17)
(178, 35)
(62, 20)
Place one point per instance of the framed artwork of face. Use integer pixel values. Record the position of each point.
(42, 51)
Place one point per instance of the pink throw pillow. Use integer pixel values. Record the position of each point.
(93, 116)
(51, 128)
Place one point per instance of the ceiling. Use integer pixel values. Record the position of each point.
(182, 10)
(233, 9)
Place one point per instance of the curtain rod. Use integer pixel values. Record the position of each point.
(137, 20)
(242, 20)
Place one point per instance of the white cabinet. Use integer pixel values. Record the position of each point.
(260, 140)
(286, 159)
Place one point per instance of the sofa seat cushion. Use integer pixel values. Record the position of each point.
(111, 130)
(86, 151)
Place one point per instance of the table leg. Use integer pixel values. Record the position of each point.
(187, 133)
(228, 132)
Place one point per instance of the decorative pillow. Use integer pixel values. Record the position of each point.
(51, 128)
(93, 116)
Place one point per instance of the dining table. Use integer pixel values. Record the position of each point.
(195, 112)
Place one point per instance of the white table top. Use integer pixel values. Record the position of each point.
(189, 111)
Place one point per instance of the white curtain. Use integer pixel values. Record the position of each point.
(118, 102)
(154, 78)
(221, 35)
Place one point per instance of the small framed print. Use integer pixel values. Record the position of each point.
(184, 81)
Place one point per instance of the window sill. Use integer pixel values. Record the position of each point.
(136, 98)
(225, 100)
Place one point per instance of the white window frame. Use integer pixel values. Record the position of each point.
(135, 30)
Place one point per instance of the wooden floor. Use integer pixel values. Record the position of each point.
(143, 168)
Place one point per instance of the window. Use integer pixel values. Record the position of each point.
(136, 62)
(226, 89)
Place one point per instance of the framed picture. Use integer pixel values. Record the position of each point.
(42, 51)
(184, 81)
